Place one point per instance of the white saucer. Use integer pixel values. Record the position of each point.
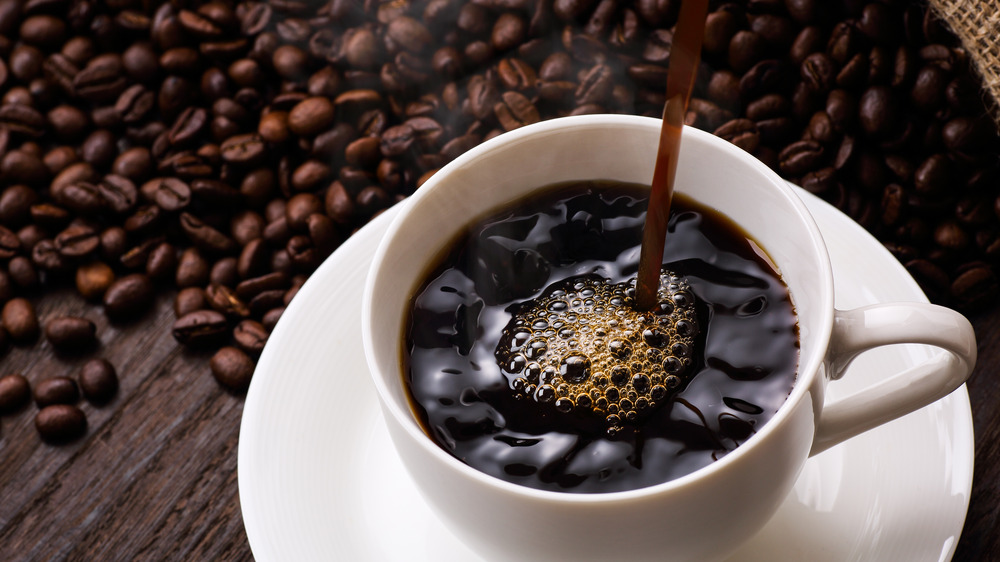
(319, 479)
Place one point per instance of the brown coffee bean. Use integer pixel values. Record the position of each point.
(204, 236)
(128, 297)
(70, 333)
(24, 274)
(250, 336)
(14, 393)
(232, 368)
(409, 34)
(515, 110)
(56, 390)
(189, 299)
(60, 423)
(20, 320)
(98, 381)
(741, 132)
(933, 175)
(746, 49)
(93, 279)
(800, 157)
(162, 262)
(311, 116)
(76, 241)
(15, 205)
(243, 149)
(818, 72)
(878, 111)
(200, 328)
(976, 287)
(271, 317)
(273, 127)
(250, 288)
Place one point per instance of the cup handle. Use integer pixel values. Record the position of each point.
(864, 328)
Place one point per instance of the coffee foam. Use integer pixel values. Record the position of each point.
(581, 346)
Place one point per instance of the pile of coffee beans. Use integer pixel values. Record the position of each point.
(223, 149)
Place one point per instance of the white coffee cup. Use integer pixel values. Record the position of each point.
(710, 512)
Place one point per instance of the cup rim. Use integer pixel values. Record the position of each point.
(805, 374)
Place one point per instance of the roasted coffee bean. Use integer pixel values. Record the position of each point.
(741, 132)
(189, 299)
(10, 244)
(70, 333)
(243, 149)
(224, 272)
(232, 368)
(515, 110)
(250, 288)
(56, 390)
(23, 273)
(118, 193)
(20, 321)
(77, 241)
(878, 111)
(170, 194)
(162, 262)
(224, 300)
(975, 287)
(200, 328)
(271, 317)
(250, 336)
(800, 157)
(311, 116)
(98, 381)
(93, 280)
(14, 393)
(204, 236)
(818, 72)
(60, 423)
(128, 297)
(933, 175)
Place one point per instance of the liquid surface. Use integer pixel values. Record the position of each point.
(744, 354)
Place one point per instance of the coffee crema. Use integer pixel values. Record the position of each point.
(515, 366)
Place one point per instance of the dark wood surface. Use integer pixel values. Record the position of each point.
(155, 476)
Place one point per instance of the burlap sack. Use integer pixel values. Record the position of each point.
(977, 25)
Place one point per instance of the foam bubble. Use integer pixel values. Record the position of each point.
(581, 347)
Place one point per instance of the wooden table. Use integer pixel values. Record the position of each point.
(155, 476)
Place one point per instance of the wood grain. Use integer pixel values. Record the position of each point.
(155, 476)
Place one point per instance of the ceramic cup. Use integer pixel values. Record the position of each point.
(710, 512)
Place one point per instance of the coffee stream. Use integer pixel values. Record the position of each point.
(685, 54)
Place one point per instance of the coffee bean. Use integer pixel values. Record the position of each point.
(22, 271)
(98, 381)
(243, 149)
(60, 423)
(741, 132)
(189, 299)
(70, 333)
(311, 116)
(515, 110)
(77, 241)
(56, 390)
(20, 321)
(204, 236)
(800, 157)
(232, 368)
(93, 280)
(975, 288)
(200, 328)
(271, 317)
(250, 336)
(14, 393)
(128, 297)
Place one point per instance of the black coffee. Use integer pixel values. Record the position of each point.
(503, 370)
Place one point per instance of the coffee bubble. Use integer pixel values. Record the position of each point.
(581, 347)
